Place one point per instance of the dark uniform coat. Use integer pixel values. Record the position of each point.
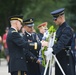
(15, 46)
(33, 67)
(40, 35)
(64, 38)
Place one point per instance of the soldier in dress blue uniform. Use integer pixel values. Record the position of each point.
(64, 36)
(33, 67)
(16, 44)
(61, 48)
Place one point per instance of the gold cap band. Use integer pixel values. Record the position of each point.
(17, 19)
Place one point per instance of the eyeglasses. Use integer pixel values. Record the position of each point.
(55, 19)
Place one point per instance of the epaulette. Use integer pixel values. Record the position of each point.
(14, 31)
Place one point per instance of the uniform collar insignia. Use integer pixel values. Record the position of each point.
(28, 33)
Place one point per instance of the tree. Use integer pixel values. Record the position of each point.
(7, 8)
(39, 9)
(71, 12)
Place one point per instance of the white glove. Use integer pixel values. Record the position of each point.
(48, 53)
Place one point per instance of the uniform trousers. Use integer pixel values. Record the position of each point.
(66, 62)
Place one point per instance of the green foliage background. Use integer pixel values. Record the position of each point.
(38, 9)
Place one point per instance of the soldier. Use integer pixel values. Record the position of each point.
(42, 36)
(16, 44)
(61, 48)
(42, 28)
(33, 67)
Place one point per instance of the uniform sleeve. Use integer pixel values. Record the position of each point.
(29, 54)
(19, 41)
(63, 40)
(38, 42)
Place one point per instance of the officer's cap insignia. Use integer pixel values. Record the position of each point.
(29, 22)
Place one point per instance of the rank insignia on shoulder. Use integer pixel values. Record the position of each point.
(14, 31)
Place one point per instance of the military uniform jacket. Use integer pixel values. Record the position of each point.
(33, 67)
(33, 38)
(15, 45)
(64, 36)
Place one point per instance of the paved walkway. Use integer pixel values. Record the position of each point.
(3, 67)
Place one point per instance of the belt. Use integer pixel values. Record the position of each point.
(67, 48)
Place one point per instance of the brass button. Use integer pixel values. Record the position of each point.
(26, 61)
(21, 57)
(37, 51)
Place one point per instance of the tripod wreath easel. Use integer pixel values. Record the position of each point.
(52, 57)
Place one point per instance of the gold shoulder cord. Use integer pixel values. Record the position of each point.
(35, 47)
